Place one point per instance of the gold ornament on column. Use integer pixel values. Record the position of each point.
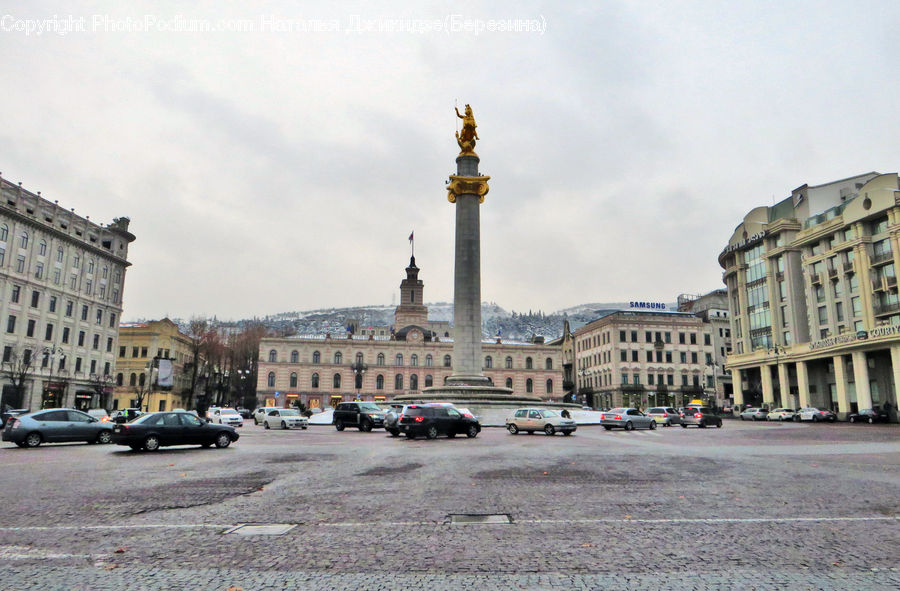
(466, 139)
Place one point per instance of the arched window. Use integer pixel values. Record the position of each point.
(120, 378)
(488, 362)
(317, 357)
(429, 381)
(295, 357)
(271, 379)
(359, 357)
(549, 386)
(142, 379)
(509, 383)
(59, 254)
(414, 360)
(338, 358)
(4, 232)
(429, 361)
(398, 381)
(398, 360)
(549, 363)
(336, 381)
(132, 380)
(273, 356)
(380, 359)
(446, 361)
(528, 363)
(42, 248)
(414, 382)
(379, 382)
(529, 386)
(293, 380)
(24, 242)
(509, 363)
(315, 380)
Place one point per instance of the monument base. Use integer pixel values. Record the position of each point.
(467, 393)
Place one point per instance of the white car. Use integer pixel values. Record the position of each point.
(226, 416)
(285, 418)
(260, 413)
(539, 419)
(810, 413)
(780, 414)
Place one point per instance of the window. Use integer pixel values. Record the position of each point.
(29, 332)
(549, 386)
(379, 382)
(81, 338)
(93, 366)
(693, 338)
(91, 266)
(24, 241)
(132, 381)
(447, 361)
(336, 381)
(20, 264)
(338, 358)
(429, 381)
(509, 363)
(683, 357)
(623, 355)
(35, 298)
(706, 340)
(648, 337)
(293, 381)
(314, 383)
(622, 336)
(65, 335)
(134, 352)
(88, 287)
(839, 311)
(649, 355)
(295, 356)
(398, 381)
(120, 379)
(529, 385)
(69, 306)
(548, 363)
(14, 296)
(528, 363)
(317, 357)
(429, 361)
(48, 332)
(271, 379)
(84, 312)
(398, 360)
(823, 315)
(634, 355)
(4, 233)
(99, 316)
(78, 369)
(414, 360)
(2, 256)
(668, 357)
(681, 338)
(488, 362)
(11, 324)
(39, 271)
(694, 357)
(112, 320)
(634, 336)
(636, 379)
(143, 351)
(109, 344)
(59, 254)
(509, 383)
(96, 342)
(414, 382)
(76, 262)
(380, 359)
(273, 356)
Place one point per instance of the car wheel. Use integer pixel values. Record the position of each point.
(151, 443)
(549, 430)
(852, 419)
(339, 425)
(513, 430)
(33, 440)
(719, 425)
(871, 420)
(653, 426)
(365, 426)
(607, 427)
(394, 432)
(832, 419)
(472, 431)
(683, 426)
(796, 418)
(629, 426)
(268, 427)
(104, 436)
(815, 419)
(431, 432)
(701, 425)
(283, 425)
(223, 440)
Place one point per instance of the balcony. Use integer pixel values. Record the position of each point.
(848, 267)
(877, 284)
(832, 273)
(881, 258)
(891, 281)
(815, 278)
(884, 309)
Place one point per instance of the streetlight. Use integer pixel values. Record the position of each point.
(49, 357)
(359, 369)
(711, 366)
(777, 351)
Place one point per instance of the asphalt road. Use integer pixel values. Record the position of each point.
(762, 506)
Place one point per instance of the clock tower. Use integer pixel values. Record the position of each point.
(412, 309)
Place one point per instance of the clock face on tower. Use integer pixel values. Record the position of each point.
(415, 335)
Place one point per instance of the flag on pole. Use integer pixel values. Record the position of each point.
(411, 236)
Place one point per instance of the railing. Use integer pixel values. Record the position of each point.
(832, 273)
(848, 267)
(882, 257)
(888, 308)
(877, 285)
(816, 279)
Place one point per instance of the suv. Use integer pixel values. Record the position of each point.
(432, 421)
(362, 415)
(702, 416)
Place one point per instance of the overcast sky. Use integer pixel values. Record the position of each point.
(274, 170)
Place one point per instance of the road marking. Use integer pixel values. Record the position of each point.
(30, 553)
(109, 527)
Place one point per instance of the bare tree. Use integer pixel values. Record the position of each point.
(17, 370)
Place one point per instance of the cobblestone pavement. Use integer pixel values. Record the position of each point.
(748, 506)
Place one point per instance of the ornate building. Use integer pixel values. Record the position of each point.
(62, 278)
(324, 370)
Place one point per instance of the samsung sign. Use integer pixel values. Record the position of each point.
(647, 305)
(746, 241)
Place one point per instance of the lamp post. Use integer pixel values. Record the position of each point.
(49, 355)
(778, 351)
(359, 369)
(101, 384)
(243, 375)
(712, 367)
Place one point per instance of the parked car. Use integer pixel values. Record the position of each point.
(539, 419)
(432, 421)
(244, 412)
(99, 413)
(665, 415)
(11, 412)
(702, 416)
(815, 415)
(158, 429)
(259, 414)
(780, 414)
(626, 418)
(125, 415)
(225, 416)
(392, 417)
(869, 415)
(362, 415)
(754, 414)
(55, 425)
(285, 418)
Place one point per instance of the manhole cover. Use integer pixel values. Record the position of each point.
(476, 519)
(271, 529)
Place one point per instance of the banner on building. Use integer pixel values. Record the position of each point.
(166, 377)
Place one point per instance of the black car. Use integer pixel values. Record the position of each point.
(432, 421)
(869, 415)
(154, 430)
(8, 413)
(362, 415)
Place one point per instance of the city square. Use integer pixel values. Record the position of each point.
(752, 506)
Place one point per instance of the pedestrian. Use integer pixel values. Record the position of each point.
(565, 414)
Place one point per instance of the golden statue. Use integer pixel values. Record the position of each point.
(466, 139)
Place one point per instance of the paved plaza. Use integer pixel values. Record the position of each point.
(749, 506)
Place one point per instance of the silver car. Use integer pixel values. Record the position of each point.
(539, 419)
(628, 419)
(285, 418)
(56, 425)
(665, 415)
(754, 414)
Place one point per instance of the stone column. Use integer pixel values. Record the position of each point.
(803, 383)
(737, 386)
(861, 378)
(768, 392)
(840, 380)
(895, 369)
(784, 383)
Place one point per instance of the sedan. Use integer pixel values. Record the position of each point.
(627, 418)
(702, 416)
(226, 416)
(754, 414)
(158, 429)
(56, 425)
(539, 419)
(780, 414)
(285, 418)
(815, 415)
(868, 415)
